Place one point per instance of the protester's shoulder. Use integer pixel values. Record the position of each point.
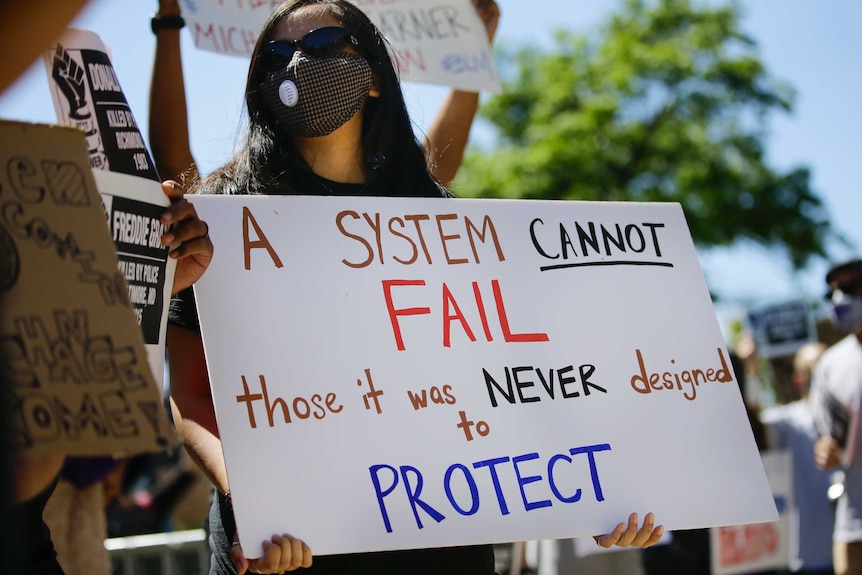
(846, 346)
(224, 181)
(846, 349)
(434, 189)
(421, 189)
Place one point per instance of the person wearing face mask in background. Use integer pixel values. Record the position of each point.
(836, 393)
(326, 116)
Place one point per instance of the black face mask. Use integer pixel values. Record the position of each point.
(313, 97)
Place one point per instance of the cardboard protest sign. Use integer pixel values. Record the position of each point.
(87, 95)
(781, 329)
(403, 373)
(764, 546)
(72, 351)
(434, 41)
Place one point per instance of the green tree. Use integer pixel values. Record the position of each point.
(667, 102)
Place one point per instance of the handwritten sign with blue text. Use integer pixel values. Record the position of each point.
(403, 373)
(434, 41)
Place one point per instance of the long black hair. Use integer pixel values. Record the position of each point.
(267, 160)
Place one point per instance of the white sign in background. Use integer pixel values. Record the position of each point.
(226, 27)
(756, 548)
(435, 41)
(531, 345)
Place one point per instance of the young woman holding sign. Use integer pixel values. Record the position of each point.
(358, 141)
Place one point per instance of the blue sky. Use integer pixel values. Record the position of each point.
(813, 45)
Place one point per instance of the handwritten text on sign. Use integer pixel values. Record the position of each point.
(448, 372)
(72, 353)
(434, 41)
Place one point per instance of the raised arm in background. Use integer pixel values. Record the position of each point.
(448, 134)
(169, 126)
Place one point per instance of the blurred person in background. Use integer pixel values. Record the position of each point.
(836, 393)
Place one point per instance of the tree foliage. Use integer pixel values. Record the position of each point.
(668, 102)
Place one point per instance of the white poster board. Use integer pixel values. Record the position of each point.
(226, 27)
(759, 547)
(404, 373)
(435, 41)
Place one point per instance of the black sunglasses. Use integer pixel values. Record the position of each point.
(320, 42)
(851, 288)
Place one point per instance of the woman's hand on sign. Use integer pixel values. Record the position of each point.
(281, 553)
(189, 235)
(628, 535)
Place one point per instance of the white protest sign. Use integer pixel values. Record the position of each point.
(759, 547)
(435, 41)
(228, 27)
(403, 373)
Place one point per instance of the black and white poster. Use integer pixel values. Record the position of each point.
(87, 95)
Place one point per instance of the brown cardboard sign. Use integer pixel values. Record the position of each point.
(71, 349)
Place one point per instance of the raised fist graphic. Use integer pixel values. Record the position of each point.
(70, 79)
